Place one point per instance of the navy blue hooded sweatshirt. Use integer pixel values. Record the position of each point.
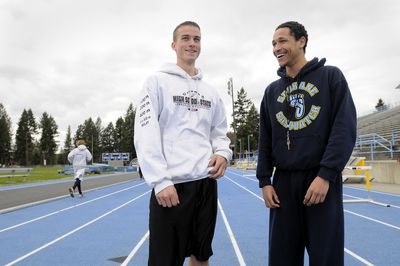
(307, 122)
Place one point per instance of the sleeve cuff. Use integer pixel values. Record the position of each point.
(328, 174)
(163, 184)
(226, 155)
(264, 181)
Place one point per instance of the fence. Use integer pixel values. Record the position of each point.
(374, 144)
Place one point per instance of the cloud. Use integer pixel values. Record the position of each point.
(89, 58)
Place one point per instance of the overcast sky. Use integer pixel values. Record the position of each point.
(76, 59)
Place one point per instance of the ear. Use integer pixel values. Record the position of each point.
(302, 41)
(173, 46)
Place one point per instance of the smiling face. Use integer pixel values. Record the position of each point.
(287, 49)
(187, 44)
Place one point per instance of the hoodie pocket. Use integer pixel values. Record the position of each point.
(188, 158)
(305, 152)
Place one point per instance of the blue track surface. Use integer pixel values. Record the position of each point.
(109, 226)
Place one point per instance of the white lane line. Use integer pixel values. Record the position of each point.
(245, 176)
(74, 231)
(373, 191)
(68, 208)
(354, 197)
(232, 237)
(55, 198)
(372, 219)
(251, 192)
(135, 249)
(351, 253)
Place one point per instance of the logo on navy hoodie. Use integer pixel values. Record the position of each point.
(192, 100)
(295, 96)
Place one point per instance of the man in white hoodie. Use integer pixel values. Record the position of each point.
(182, 147)
(78, 157)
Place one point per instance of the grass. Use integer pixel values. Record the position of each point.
(38, 174)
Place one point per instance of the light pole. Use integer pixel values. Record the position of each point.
(230, 92)
(240, 149)
(248, 147)
(92, 151)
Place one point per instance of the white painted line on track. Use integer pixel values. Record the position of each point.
(251, 192)
(74, 231)
(232, 237)
(373, 191)
(372, 219)
(351, 253)
(68, 208)
(55, 198)
(135, 249)
(245, 176)
(346, 250)
(354, 197)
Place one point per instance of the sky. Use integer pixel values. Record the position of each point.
(76, 59)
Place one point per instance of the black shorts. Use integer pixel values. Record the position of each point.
(186, 229)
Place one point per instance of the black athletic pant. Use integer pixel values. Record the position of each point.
(77, 184)
(186, 229)
(294, 226)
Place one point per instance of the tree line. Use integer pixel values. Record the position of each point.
(245, 123)
(35, 140)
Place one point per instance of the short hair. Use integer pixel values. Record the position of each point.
(80, 142)
(297, 30)
(186, 23)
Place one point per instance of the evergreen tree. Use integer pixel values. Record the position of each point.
(24, 139)
(128, 131)
(79, 133)
(107, 138)
(118, 135)
(88, 132)
(47, 143)
(5, 136)
(96, 138)
(241, 106)
(36, 154)
(380, 106)
(252, 126)
(68, 144)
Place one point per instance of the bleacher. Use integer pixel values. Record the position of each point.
(379, 132)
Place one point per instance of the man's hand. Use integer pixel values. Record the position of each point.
(219, 164)
(270, 197)
(168, 197)
(317, 191)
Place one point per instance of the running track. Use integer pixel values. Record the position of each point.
(109, 226)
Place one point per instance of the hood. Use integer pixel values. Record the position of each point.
(82, 147)
(174, 69)
(310, 66)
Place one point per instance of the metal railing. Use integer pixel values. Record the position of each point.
(376, 144)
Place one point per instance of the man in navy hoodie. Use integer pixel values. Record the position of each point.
(307, 133)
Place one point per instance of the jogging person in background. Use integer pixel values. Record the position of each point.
(307, 132)
(182, 147)
(78, 157)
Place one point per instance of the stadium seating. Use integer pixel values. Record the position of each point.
(379, 131)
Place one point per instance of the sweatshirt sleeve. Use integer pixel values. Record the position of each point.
(219, 140)
(264, 164)
(147, 138)
(71, 156)
(343, 133)
(88, 156)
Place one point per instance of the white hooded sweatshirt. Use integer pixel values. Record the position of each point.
(180, 123)
(79, 156)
